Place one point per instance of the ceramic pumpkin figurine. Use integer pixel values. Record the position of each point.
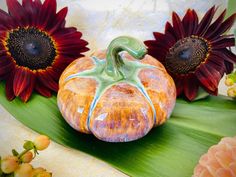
(117, 96)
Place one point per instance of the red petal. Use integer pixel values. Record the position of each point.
(225, 54)
(170, 30)
(68, 37)
(21, 80)
(209, 77)
(59, 20)
(47, 81)
(32, 10)
(179, 85)
(62, 62)
(187, 22)
(178, 26)
(6, 65)
(190, 22)
(215, 26)
(71, 41)
(6, 19)
(226, 25)
(158, 54)
(66, 31)
(9, 87)
(195, 22)
(217, 63)
(25, 94)
(229, 67)
(47, 13)
(17, 11)
(42, 90)
(223, 43)
(154, 45)
(206, 21)
(191, 86)
(54, 74)
(166, 40)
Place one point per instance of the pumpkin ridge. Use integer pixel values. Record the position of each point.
(105, 83)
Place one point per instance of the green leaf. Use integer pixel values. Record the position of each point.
(14, 152)
(169, 150)
(1, 173)
(231, 7)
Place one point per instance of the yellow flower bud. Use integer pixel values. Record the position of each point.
(27, 157)
(44, 174)
(41, 142)
(9, 164)
(24, 170)
(229, 81)
(232, 92)
(38, 170)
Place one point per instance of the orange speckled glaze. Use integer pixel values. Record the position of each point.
(122, 112)
(159, 86)
(76, 95)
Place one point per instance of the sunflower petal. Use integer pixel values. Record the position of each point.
(215, 26)
(158, 54)
(17, 11)
(191, 86)
(223, 43)
(225, 54)
(195, 22)
(226, 25)
(166, 39)
(25, 95)
(31, 9)
(216, 62)
(206, 21)
(47, 13)
(229, 67)
(187, 22)
(170, 30)
(208, 77)
(9, 87)
(5, 19)
(59, 20)
(178, 26)
(47, 81)
(21, 80)
(179, 82)
(6, 65)
(44, 91)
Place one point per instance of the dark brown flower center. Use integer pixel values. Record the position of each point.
(186, 55)
(31, 48)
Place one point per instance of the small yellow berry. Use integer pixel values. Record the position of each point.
(24, 170)
(232, 92)
(38, 170)
(44, 174)
(41, 142)
(27, 157)
(9, 164)
(229, 82)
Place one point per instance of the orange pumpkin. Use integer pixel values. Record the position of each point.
(120, 98)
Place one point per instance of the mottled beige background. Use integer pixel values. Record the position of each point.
(100, 21)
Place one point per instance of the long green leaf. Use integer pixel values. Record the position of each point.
(171, 150)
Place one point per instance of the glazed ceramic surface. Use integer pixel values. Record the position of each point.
(119, 98)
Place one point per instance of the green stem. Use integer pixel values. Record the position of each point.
(114, 61)
(23, 153)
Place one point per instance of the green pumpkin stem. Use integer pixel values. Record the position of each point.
(114, 61)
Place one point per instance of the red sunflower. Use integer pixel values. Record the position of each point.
(195, 53)
(35, 47)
